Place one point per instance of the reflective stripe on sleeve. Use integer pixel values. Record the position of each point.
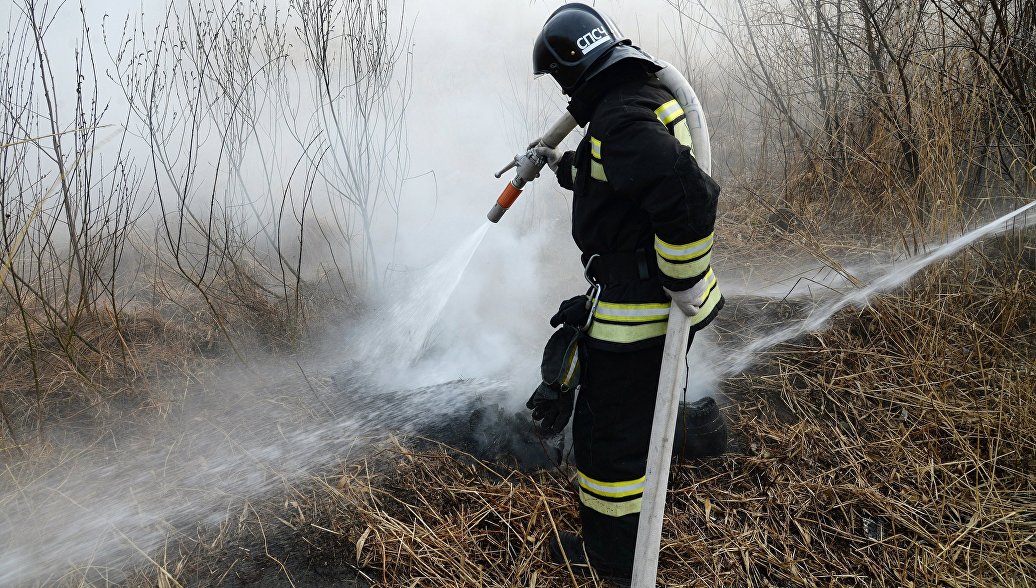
(682, 132)
(682, 252)
(669, 112)
(710, 281)
(684, 270)
(711, 300)
(596, 167)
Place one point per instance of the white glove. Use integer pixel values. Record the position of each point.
(551, 155)
(690, 300)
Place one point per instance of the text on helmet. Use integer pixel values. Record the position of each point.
(594, 38)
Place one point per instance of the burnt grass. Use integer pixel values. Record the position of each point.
(267, 543)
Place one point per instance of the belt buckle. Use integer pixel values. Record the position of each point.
(593, 294)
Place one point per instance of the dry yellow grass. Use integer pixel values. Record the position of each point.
(893, 449)
(874, 460)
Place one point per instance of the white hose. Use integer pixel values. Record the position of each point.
(557, 132)
(671, 376)
(681, 89)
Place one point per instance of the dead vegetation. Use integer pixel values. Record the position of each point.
(144, 227)
(894, 449)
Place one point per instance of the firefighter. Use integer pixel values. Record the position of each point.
(642, 215)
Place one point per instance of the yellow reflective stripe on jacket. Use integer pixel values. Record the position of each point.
(669, 112)
(626, 333)
(626, 322)
(684, 270)
(632, 313)
(629, 322)
(682, 132)
(596, 167)
(611, 509)
(682, 252)
(611, 489)
(709, 279)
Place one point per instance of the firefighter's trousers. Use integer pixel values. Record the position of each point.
(611, 434)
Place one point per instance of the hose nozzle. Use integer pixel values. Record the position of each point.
(529, 164)
(506, 199)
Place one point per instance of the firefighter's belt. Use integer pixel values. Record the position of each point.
(623, 267)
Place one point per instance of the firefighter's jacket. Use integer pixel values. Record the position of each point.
(636, 186)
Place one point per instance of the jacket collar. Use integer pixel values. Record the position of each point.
(586, 97)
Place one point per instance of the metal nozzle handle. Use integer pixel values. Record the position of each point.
(514, 163)
(529, 166)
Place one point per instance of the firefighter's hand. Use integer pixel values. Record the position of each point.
(551, 155)
(552, 407)
(690, 300)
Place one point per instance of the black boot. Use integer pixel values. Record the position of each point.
(572, 549)
(701, 430)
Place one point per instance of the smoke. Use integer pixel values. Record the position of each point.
(458, 322)
(456, 327)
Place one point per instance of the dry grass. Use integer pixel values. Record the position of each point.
(894, 449)
(97, 364)
(55, 373)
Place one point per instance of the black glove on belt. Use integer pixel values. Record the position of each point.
(553, 399)
(552, 406)
(571, 312)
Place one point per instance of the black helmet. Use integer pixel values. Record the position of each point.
(575, 40)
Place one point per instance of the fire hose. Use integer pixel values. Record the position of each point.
(672, 375)
(674, 354)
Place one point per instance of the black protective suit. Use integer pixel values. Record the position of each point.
(645, 209)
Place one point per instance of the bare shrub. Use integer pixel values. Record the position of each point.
(204, 172)
(891, 115)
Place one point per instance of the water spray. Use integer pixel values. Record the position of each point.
(745, 357)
